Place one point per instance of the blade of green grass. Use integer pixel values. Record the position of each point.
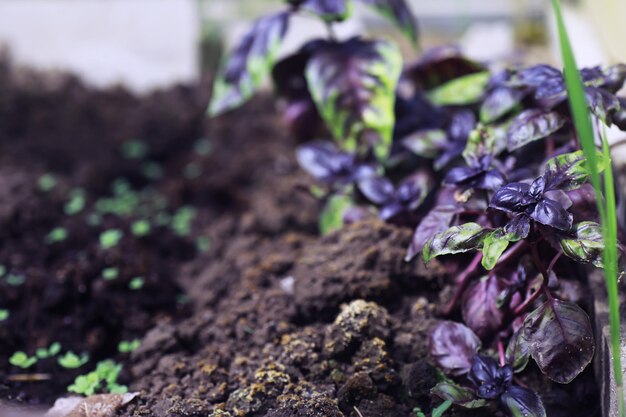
(608, 217)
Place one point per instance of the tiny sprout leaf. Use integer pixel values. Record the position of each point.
(71, 360)
(22, 360)
(480, 306)
(399, 13)
(517, 352)
(585, 244)
(522, 402)
(532, 125)
(494, 245)
(458, 395)
(456, 239)
(453, 346)
(353, 85)
(437, 220)
(462, 91)
(249, 64)
(560, 339)
(484, 141)
(332, 216)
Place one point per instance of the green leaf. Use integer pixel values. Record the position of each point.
(110, 238)
(572, 169)
(585, 244)
(71, 360)
(560, 339)
(249, 64)
(493, 246)
(399, 13)
(458, 395)
(332, 216)
(456, 239)
(532, 125)
(22, 360)
(353, 85)
(461, 91)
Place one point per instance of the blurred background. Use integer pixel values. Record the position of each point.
(149, 44)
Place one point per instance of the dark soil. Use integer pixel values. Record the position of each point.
(260, 317)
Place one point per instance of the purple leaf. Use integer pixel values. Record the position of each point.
(517, 352)
(436, 221)
(518, 226)
(491, 379)
(453, 346)
(250, 62)
(551, 213)
(461, 125)
(378, 190)
(602, 103)
(462, 175)
(437, 66)
(535, 76)
(512, 198)
(560, 339)
(479, 308)
(499, 102)
(353, 85)
(522, 402)
(532, 125)
(398, 11)
(327, 10)
(325, 162)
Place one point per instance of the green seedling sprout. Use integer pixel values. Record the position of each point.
(76, 204)
(135, 149)
(152, 170)
(181, 222)
(140, 228)
(46, 182)
(22, 360)
(203, 244)
(606, 206)
(72, 361)
(203, 147)
(109, 274)
(58, 234)
(136, 283)
(127, 346)
(192, 171)
(15, 280)
(103, 378)
(110, 238)
(50, 352)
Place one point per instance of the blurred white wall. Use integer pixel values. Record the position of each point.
(142, 44)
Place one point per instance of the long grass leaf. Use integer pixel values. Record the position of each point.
(584, 128)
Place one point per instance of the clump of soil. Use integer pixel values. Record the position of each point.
(243, 309)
